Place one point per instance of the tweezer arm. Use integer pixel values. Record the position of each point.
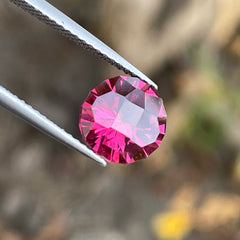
(56, 19)
(37, 120)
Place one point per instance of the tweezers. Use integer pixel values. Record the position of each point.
(67, 27)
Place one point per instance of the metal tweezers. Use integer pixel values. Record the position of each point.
(67, 27)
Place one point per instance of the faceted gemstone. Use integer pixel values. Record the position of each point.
(123, 119)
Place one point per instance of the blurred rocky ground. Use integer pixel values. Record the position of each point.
(189, 188)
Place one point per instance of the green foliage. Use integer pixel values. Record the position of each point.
(202, 129)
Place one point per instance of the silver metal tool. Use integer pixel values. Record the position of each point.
(66, 26)
(33, 117)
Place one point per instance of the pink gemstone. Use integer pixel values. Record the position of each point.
(123, 119)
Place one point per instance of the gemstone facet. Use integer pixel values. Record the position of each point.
(123, 119)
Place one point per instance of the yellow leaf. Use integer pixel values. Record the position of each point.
(172, 225)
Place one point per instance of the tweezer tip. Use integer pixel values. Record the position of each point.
(104, 163)
(101, 161)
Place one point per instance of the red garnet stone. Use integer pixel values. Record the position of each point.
(123, 119)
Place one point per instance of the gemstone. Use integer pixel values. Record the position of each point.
(123, 119)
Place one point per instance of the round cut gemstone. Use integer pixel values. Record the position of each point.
(123, 119)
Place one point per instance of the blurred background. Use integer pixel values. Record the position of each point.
(189, 188)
